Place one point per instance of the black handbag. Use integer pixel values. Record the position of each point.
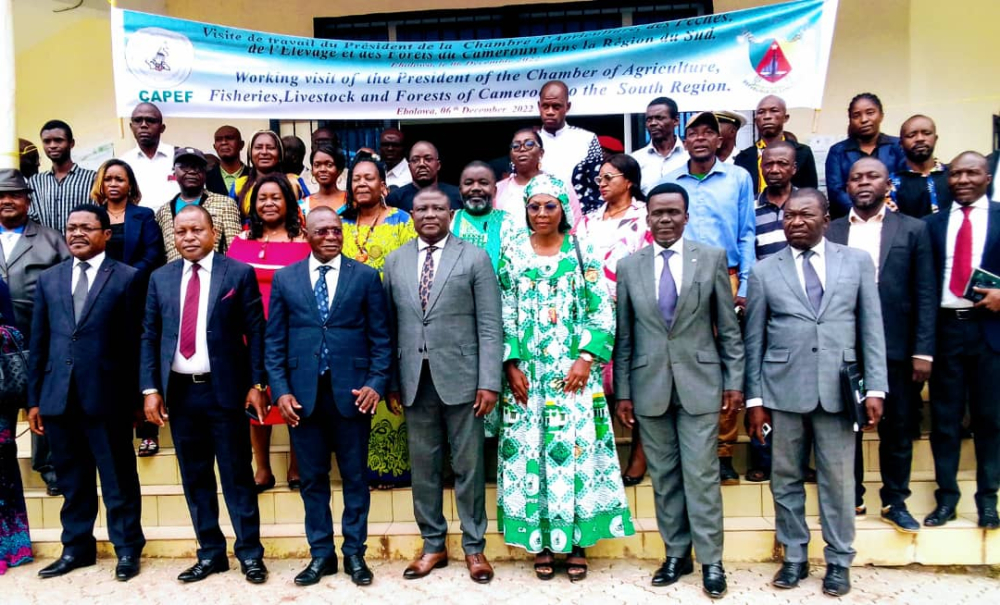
(13, 370)
(852, 392)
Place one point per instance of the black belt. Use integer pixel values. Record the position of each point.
(966, 314)
(192, 378)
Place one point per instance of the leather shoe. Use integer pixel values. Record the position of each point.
(427, 562)
(941, 514)
(202, 569)
(480, 569)
(127, 568)
(317, 568)
(988, 519)
(727, 474)
(713, 580)
(790, 574)
(254, 570)
(837, 582)
(672, 570)
(65, 564)
(900, 518)
(354, 565)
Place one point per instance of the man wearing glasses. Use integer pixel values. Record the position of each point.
(425, 164)
(152, 161)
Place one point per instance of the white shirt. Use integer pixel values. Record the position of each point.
(996, 184)
(94, 265)
(656, 167)
(199, 362)
(564, 150)
(8, 241)
(398, 175)
(676, 265)
(979, 217)
(332, 277)
(155, 176)
(866, 235)
(422, 255)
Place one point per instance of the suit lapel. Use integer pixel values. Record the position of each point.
(839, 231)
(834, 261)
(103, 274)
(343, 281)
(303, 288)
(66, 277)
(647, 267)
(25, 243)
(890, 226)
(992, 247)
(133, 225)
(408, 267)
(449, 258)
(786, 265)
(219, 269)
(687, 278)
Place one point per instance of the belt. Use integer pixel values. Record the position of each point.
(966, 314)
(193, 378)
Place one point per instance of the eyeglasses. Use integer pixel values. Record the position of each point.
(549, 208)
(606, 178)
(145, 120)
(423, 159)
(82, 229)
(189, 167)
(518, 145)
(325, 232)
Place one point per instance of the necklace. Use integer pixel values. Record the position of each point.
(362, 255)
(263, 247)
(115, 214)
(609, 215)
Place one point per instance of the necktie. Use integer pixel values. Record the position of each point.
(81, 291)
(961, 269)
(189, 316)
(323, 306)
(668, 290)
(427, 277)
(814, 288)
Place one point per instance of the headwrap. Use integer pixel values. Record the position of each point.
(545, 184)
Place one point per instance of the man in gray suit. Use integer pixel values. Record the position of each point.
(678, 363)
(444, 317)
(812, 307)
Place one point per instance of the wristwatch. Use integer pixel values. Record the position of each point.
(146, 392)
(586, 357)
(260, 387)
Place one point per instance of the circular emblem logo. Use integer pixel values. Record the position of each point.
(159, 57)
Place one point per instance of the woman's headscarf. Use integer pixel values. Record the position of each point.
(545, 184)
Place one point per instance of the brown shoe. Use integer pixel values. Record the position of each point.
(479, 568)
(425, 564)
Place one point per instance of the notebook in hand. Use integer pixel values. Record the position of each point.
(852, 392)
(980, 279)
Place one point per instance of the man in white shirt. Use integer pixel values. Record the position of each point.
(572, 155)
(392, 150)
(665, 152)
(151, 160)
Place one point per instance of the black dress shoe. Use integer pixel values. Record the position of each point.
(65, 564)
(728, 474)
(837, 582)
(317, 568)
(713, 580)
(202, 569)
(790, 574)
(672, 570)
(254, 570)
(941, 514)
(988, 519)
(127, 568)
(354, 565)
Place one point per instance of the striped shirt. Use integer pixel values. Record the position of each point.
(52, 200)
(770, 236)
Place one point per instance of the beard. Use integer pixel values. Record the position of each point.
(918, 157)
(477, 205)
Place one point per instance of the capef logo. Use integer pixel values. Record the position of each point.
(772, 60)
(158, 57)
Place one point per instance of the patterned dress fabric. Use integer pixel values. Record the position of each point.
(15, 543)
(559, 482)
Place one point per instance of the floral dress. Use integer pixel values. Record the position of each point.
(15, 543)
(559, 482)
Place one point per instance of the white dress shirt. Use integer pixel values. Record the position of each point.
(399, 175)
(199, 362)
(94, 265)
(979, 218)
(564, 150)
(866, 235)
(655, 167)
(422, 255)
(155, 175)
(332, 277)
(8, 241)
(676, 266)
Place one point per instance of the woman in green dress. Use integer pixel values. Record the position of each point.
(371, 231)
(559, 485)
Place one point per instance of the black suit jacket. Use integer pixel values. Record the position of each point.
(216, 184)
(992, 159)
(805, 174)
(143, 241)
(402, 197)
(937, 224)
(98, 356)
(235, 330)
(906, 284)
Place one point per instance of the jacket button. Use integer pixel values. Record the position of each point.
(69, 362)
(814, 349)
(74, 339)
(427, 323)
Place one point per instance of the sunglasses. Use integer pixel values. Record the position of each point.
(517, 145)
(549, 208)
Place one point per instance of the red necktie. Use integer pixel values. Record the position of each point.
(189, 316)
(961, 269)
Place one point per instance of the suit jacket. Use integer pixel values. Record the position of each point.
(235, 330)
(937, 224)
(216, 184)
(907, 287)
(461, 330)
(652, 358)
(356, 333)
(794, 354)
(98, 356)
(143, 241)
(805, 174)
(38, 249)
(992, 160)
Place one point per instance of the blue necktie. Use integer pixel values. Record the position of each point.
(323, 304)
(814, 288)
(668, 290)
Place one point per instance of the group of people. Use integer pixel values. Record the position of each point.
(402, 323)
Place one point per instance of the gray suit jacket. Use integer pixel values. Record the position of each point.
(794, 354)
(651, 358)
(460, 335)
(38, 249)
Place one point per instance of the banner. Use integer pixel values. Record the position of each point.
(726, 60)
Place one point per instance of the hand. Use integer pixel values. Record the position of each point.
(732, 402)
(485, 402)
(992, 300)
(287, 404)
(367, 399)
(258, 400)
(873, 405)
(156, 411)
(394, 403)
(518, 383)
(577, 377)
(625, 413)
(758, 417)
(921, 370)
(741, 302)
(35, 421)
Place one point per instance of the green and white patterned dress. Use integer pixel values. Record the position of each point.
(559, 483)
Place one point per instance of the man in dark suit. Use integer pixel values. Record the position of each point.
(900, 247)
(27, 249)
(425, 164)
(770, 119)
(328, 357)
(966, 237)
(678, 362)
(444, 317)
(203, 353)
(83, 391)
